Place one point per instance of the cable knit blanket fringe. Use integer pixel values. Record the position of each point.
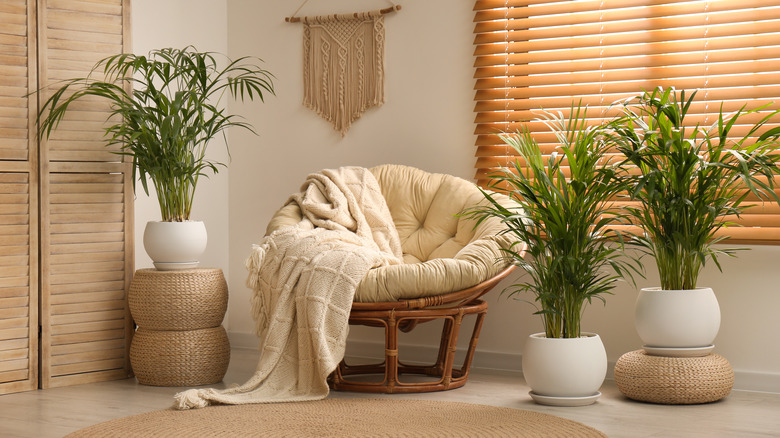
(303, 279)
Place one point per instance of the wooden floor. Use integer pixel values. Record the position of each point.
(56, 412)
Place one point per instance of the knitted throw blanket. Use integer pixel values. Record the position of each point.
(304, 278)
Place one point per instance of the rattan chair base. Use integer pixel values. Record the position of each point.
(392, 369)
(673, 380)
(404, 316)
(180, 358)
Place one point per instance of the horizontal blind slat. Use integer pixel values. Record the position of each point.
(560, 12)
(513, 41)
(702, 71)
(732, 99)
(725, 49)
(649, 18)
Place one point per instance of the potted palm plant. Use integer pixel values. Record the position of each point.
(165, 109)
(691, 181)
(573, 256)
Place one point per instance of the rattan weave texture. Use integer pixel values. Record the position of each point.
(180, 340)
(180, 358)
(178, 300)
(673, 380)
(404, 316)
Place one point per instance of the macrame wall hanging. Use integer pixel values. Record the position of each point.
(343, 64)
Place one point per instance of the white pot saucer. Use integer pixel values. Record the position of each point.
(564, 401)
(679, 351)
(165, 266)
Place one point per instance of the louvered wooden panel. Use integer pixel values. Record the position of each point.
(87, 264)
(77, 34)
(86, 207)
(18, 282)
(17, 79)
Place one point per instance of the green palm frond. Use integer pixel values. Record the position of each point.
(165, 108)
(574, 251)
(691, 178)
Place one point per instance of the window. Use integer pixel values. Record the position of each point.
(531, 54)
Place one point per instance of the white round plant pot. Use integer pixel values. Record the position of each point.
(677, 322)
(564, 371)
(175, 245)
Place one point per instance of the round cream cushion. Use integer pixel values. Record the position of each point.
(442, 252)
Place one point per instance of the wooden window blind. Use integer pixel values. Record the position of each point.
(532, 54)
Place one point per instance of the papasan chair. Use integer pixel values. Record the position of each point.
(448, 265)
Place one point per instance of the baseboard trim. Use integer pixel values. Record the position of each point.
(247, 341)
(508, 363)
(755, 381)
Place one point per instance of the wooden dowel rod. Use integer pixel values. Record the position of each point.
(390, 9)
(381, 11)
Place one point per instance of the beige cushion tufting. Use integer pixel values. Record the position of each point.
(442, 252)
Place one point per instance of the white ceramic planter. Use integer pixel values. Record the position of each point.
(564, 372)
(683, 319)
(175, 245)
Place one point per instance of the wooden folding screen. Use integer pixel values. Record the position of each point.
(84, 194)
(18, 199)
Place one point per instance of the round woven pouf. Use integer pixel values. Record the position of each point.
(673, 380)
(180, 340)
(180, 358)
(178, 300)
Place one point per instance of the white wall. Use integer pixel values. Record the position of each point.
(426, 122)
(178, 23)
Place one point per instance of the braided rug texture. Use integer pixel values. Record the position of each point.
(343, 418)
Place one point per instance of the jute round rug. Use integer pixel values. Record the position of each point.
(343, 418)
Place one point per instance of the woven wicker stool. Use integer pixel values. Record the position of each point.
(180, 340)
(673, 380)
(404, 315)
